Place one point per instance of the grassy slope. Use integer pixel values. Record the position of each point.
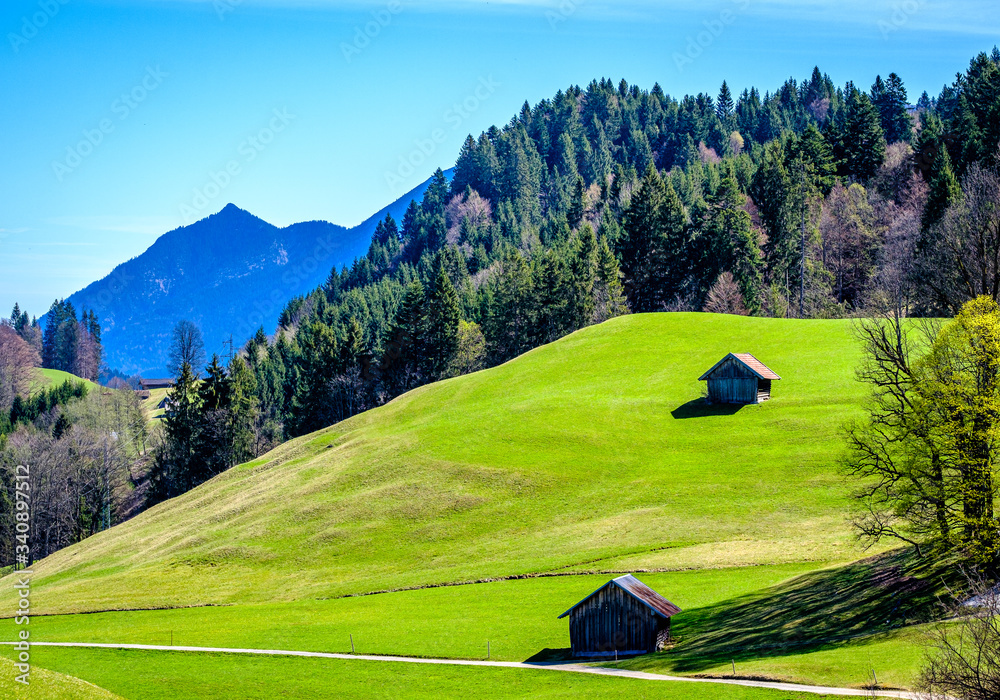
(46, 685)
(45, 378)
(172, 675)
(152, 404)
(519, 618)
(584, 453)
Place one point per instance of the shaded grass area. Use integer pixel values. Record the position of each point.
(569, 454)
(144, 675)
(895, 657)
(46, 685)
(518, 618)
(844, 613)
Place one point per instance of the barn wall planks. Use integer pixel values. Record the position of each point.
(612, 620)
(733, 382)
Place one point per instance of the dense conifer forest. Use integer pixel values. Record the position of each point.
(813, 201)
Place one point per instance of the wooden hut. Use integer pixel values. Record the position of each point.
(624, 616)
(739, 378)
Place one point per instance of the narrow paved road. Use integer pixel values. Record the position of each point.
(552, 666)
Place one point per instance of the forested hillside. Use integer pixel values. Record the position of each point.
(812, 201)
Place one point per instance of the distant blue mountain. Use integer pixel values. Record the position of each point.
(230, 274)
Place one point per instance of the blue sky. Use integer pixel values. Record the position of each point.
(123, 119)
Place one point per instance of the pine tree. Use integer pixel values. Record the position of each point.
(179, 467)
(550, 296)
(609, 296)
(312, 403)
(652, 247)
(942, 190)
(600, 162)
(724, 106)
(214, 389)
(577, 205)
(863, 144)
(242, 414)
(509, 308)
(896, 122)
(441, 319)
(733, 244)
(770, 192)
(580, 303)
(813, 147)
(403, 357)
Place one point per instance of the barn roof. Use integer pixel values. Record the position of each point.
(747, 360)
(638, 590)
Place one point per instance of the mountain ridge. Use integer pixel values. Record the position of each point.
(230, 273)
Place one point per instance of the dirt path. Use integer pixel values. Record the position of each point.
(556, 666)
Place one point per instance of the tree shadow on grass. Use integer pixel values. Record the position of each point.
(701, 408)
(817, 610)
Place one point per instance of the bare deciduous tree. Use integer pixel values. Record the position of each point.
(725, 297)
(963, 660)
(960, 257)
(186, 346)
(17, 360)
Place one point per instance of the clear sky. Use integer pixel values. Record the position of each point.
(121, 117)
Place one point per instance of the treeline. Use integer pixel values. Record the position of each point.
(210, 425)
(87, 458)
(812, 201)
(25, 409)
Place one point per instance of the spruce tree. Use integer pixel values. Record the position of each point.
(724, 106)
(576, 206)
(551, 304)
(896, 122)
(580, 303)
(441, 319)
(863, 143)
(181, 466)
(312, 405)
(609, 296)
(508, 313)
(643, 248)
(242, 414)
(942, 190)
(403, 357)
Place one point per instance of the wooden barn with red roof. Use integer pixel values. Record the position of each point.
(739, 378)
(622, 617)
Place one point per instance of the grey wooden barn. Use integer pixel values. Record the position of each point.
(624, 616)
(739, 378)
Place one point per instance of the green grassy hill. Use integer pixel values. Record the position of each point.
(48, 685)
(45, 378)
(593, 453)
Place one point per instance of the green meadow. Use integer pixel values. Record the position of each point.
(144, 675)
(46, 685)
(539, 479)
